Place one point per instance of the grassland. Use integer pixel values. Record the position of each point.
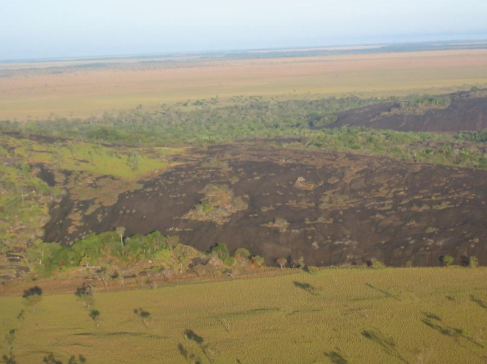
(411, 315)
(75, 90)
(84, 168)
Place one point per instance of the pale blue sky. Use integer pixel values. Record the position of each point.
(73, 28)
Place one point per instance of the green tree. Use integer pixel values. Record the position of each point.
(221, 251)
(446, 260)
(102, 275)
(32, 296)
(85, 294)
(95, 316)
(258, 260)
(242, 253)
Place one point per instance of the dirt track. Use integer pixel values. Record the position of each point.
(329, 208)
(463, 114)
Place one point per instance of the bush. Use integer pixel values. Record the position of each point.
(446, 260)
(221, 251)
(282, 262)
(375, 264)
(312, 269)
(258, 260)
(242, 253)
(473, 262)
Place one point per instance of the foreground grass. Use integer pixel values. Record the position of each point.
(339, 316)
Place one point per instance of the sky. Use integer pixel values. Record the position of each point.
(35, 29)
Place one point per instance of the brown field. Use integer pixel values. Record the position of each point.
(73, 91)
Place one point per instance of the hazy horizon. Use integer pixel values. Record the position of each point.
(55, 29)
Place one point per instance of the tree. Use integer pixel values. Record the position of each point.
(282, 262)
(242, 253)
(32, 296)
(221, 251)
(446, 260)
(102, 274)
(258, 260)
(95, 315)
(85, 293)
(120, 230)
(143, 315)
(116, 276)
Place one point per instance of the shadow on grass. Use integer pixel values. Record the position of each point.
(387, 343)
(479, 302)
(207, 350)
(307, 287)
(122, 333)
(434, 322)
(255, 311)
(191, 358)
(383, 292)
(336, 357)
(295, 312)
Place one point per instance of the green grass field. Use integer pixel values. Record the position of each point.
(434, 315)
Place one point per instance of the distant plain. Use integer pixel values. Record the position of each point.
(83, 88)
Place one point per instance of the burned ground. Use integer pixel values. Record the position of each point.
(466, 112)
(329, 208)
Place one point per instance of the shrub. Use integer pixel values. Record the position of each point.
(446, 260)
(473, 262)
(242, 253)
(95, 315)
(221, 251)
(375, 264)
(258, 260)
(282, 262)
(312, 269)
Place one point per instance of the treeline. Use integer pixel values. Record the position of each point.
(112, 255)
(417, 147)
(247, 117)
(206, 122)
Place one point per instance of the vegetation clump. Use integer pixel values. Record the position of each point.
(218, 205)
(446, 260)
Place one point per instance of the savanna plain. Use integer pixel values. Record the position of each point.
(293, 206)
